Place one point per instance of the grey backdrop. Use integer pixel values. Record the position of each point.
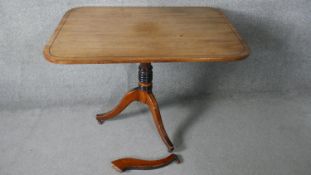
(278, 33)
(261, 125)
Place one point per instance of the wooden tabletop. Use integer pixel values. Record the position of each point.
(98, 35)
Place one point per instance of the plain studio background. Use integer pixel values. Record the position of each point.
(254, 113)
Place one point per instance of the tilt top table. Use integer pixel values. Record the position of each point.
(100, 35)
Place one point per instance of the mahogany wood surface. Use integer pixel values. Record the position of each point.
(97, 35)
(132, 163)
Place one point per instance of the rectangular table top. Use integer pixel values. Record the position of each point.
(98, 35)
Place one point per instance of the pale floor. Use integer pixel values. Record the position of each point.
(250, 134)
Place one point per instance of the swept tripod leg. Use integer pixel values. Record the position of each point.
(139, 164)
(154, 108)
(126, 100)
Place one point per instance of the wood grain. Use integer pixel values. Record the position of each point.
(98, 35)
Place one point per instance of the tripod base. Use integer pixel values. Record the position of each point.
(143, 93)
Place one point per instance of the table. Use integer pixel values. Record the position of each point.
(101, 35)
